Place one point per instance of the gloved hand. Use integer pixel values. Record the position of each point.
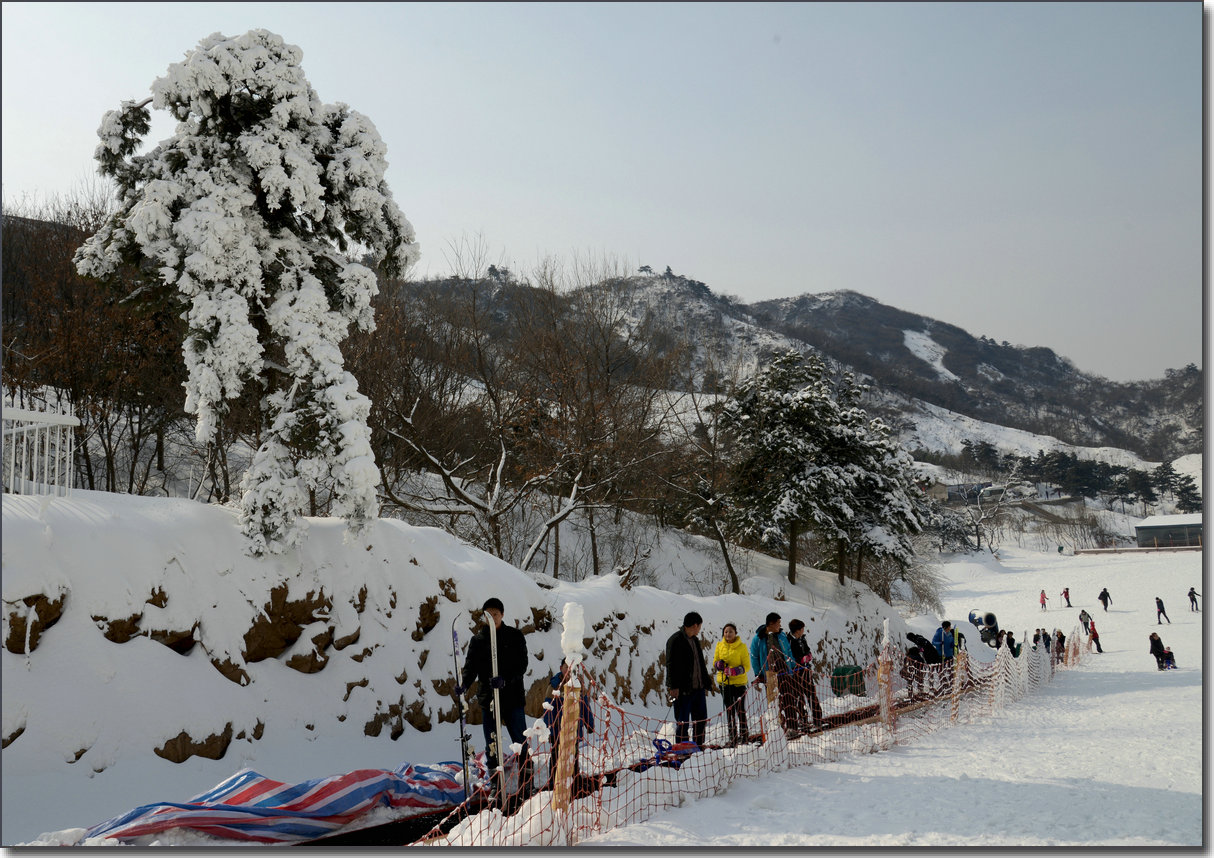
(459, 690)
(806, 659)
(718, 665)
(497, 682)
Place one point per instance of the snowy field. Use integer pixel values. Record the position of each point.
(1108, 755)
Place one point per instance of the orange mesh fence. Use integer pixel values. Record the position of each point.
(633, 765)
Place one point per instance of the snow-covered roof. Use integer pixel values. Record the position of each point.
(1171, 521)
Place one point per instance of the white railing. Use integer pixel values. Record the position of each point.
(39, 452)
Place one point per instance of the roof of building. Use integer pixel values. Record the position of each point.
(1171, 521)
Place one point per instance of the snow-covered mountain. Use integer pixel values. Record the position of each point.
(921, 369)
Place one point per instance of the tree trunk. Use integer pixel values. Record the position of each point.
(556, 551)
(792, 554)
(594, 542)
(841, 561)
(733, 575)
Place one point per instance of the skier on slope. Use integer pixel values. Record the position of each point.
(1093, 637)
(1160, 612)
(511, 666)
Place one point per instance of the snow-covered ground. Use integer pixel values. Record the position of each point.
(1108, 755)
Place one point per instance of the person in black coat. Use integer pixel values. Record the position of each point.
(1160, 612)
(1157, 649)
(688, 680)
(803, 677)
(511, 667)
(1104, 598)
(914, 668)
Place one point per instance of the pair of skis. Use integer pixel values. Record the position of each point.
(465, 738)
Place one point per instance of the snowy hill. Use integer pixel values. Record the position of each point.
(147, 656)
(919, 366)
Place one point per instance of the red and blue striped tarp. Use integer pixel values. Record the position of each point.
(250, 807)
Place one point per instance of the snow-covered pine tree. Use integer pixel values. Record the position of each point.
(779, 422)
(807, 457)
(248, 213)
(888, 507)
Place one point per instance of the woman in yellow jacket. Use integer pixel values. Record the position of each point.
(732, 661)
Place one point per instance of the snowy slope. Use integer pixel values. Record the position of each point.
(83, 714)
(1108, 755)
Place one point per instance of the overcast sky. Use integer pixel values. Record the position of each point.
(1031, 172)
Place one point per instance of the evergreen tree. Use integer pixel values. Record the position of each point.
(1141, 487)
(1188, 498)
(1164, 478)
(806, 460)
(247, 214)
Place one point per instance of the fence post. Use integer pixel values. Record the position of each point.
(562, 788)
(885, 683)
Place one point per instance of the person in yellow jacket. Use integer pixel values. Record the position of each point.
(731, 660)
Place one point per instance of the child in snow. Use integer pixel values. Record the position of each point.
(1044, 599)
(1169, 661)
(1093, 636)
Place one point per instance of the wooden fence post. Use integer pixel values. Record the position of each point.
(562, 789)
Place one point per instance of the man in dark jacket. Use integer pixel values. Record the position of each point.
(1104, 598)
(688, 680)
(511, 667)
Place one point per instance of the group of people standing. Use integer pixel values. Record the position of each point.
(781, 660)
